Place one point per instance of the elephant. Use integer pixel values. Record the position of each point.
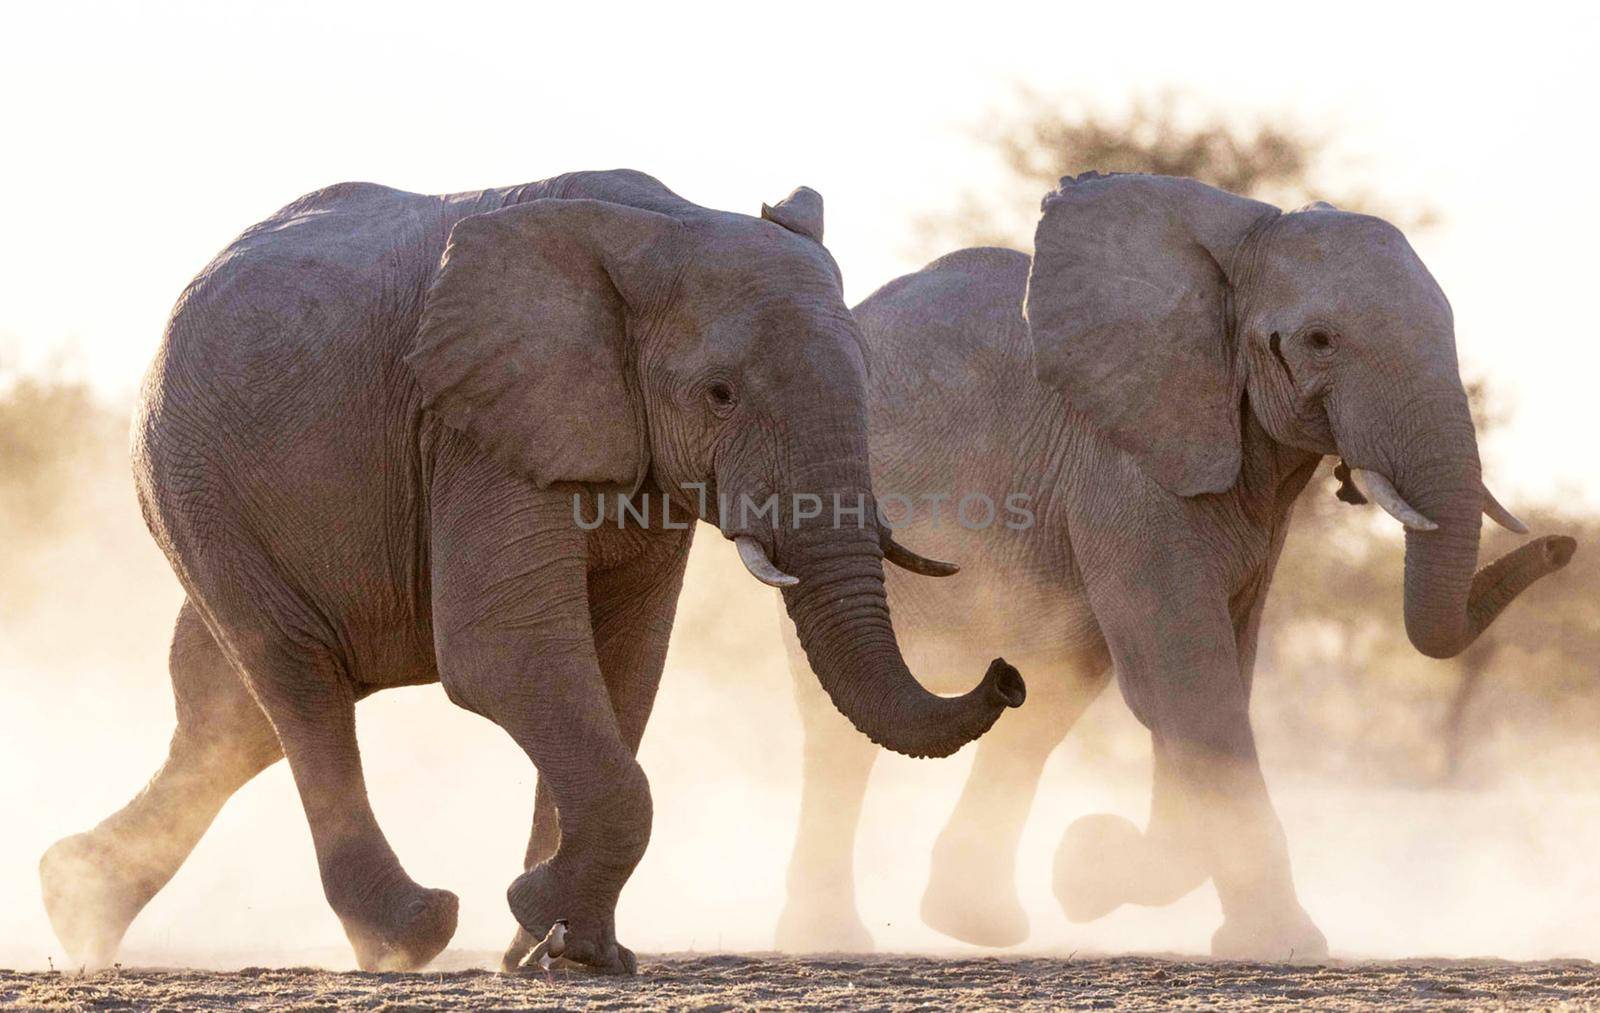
(366, 446)
(1154, 387)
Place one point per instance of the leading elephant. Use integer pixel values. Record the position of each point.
(370, 447)
(1139, 405)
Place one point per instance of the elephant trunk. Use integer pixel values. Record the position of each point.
(1448, 601)
(826, 536)
(841, 613)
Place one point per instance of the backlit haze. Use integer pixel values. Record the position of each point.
(139, 139)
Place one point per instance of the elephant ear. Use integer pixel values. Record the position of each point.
(1127, 309)
(800, 213)
(523, 339)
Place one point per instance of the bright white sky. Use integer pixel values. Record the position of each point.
(139, 138)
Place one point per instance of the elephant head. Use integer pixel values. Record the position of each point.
(1163, 309)
(643, 341)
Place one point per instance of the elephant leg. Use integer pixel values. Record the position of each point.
(95, 883)
(631, 610)
(1182, 675)
(820, 913)
(393, 923)
(542, 842)
(1240, 841)
(546, 833)
(515, 643)
(972, 891)
(561, 717)
(1104, 861)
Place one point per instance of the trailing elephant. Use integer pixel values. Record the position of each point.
(363, 446)
(1157, 384)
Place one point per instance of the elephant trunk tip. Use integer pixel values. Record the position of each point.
(1002, 688)
(1430, 646)
(1559, 550)
(1493, 588)
(1005, 683)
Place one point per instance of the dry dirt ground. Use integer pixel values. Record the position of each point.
(771, 981)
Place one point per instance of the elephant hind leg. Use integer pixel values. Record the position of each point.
(392, 923)
(972, 892)
(95, 883)
(820, 914)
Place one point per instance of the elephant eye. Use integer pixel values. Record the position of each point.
(720, 394)
(1320, 340)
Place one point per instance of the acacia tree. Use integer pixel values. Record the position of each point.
(1042, 140)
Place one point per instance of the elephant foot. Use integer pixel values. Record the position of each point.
(1105, 861)
(1289, 937)
(1088, 879)
(812, 925)
(517, 950)
(89, 905)
(991, 919)
(406, 941)
(540, 896)
(966, 900)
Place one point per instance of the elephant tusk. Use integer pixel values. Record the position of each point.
(1384, 492)
(754, 558)
(1500, 515)
(905, 559)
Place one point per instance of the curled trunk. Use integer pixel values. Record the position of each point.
(1448, 601)
(841, 613)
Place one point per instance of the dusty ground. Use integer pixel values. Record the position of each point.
(858, 983)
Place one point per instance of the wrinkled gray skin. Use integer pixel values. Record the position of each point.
(359, 447)
(1161, 441)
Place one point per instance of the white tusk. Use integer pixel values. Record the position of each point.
(1500, 515)
(755, 560)
(904, 558)
(1383, 491)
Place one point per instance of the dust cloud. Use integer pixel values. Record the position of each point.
(87, 609)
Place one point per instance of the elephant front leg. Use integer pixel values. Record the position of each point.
(1243, 845)
(547, 693)
(604, 835)
(1235, 831)
(516, 644)
(1105, 861)
(1181, 676)
(542, 841)
(1197, 801)
(631, 609)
